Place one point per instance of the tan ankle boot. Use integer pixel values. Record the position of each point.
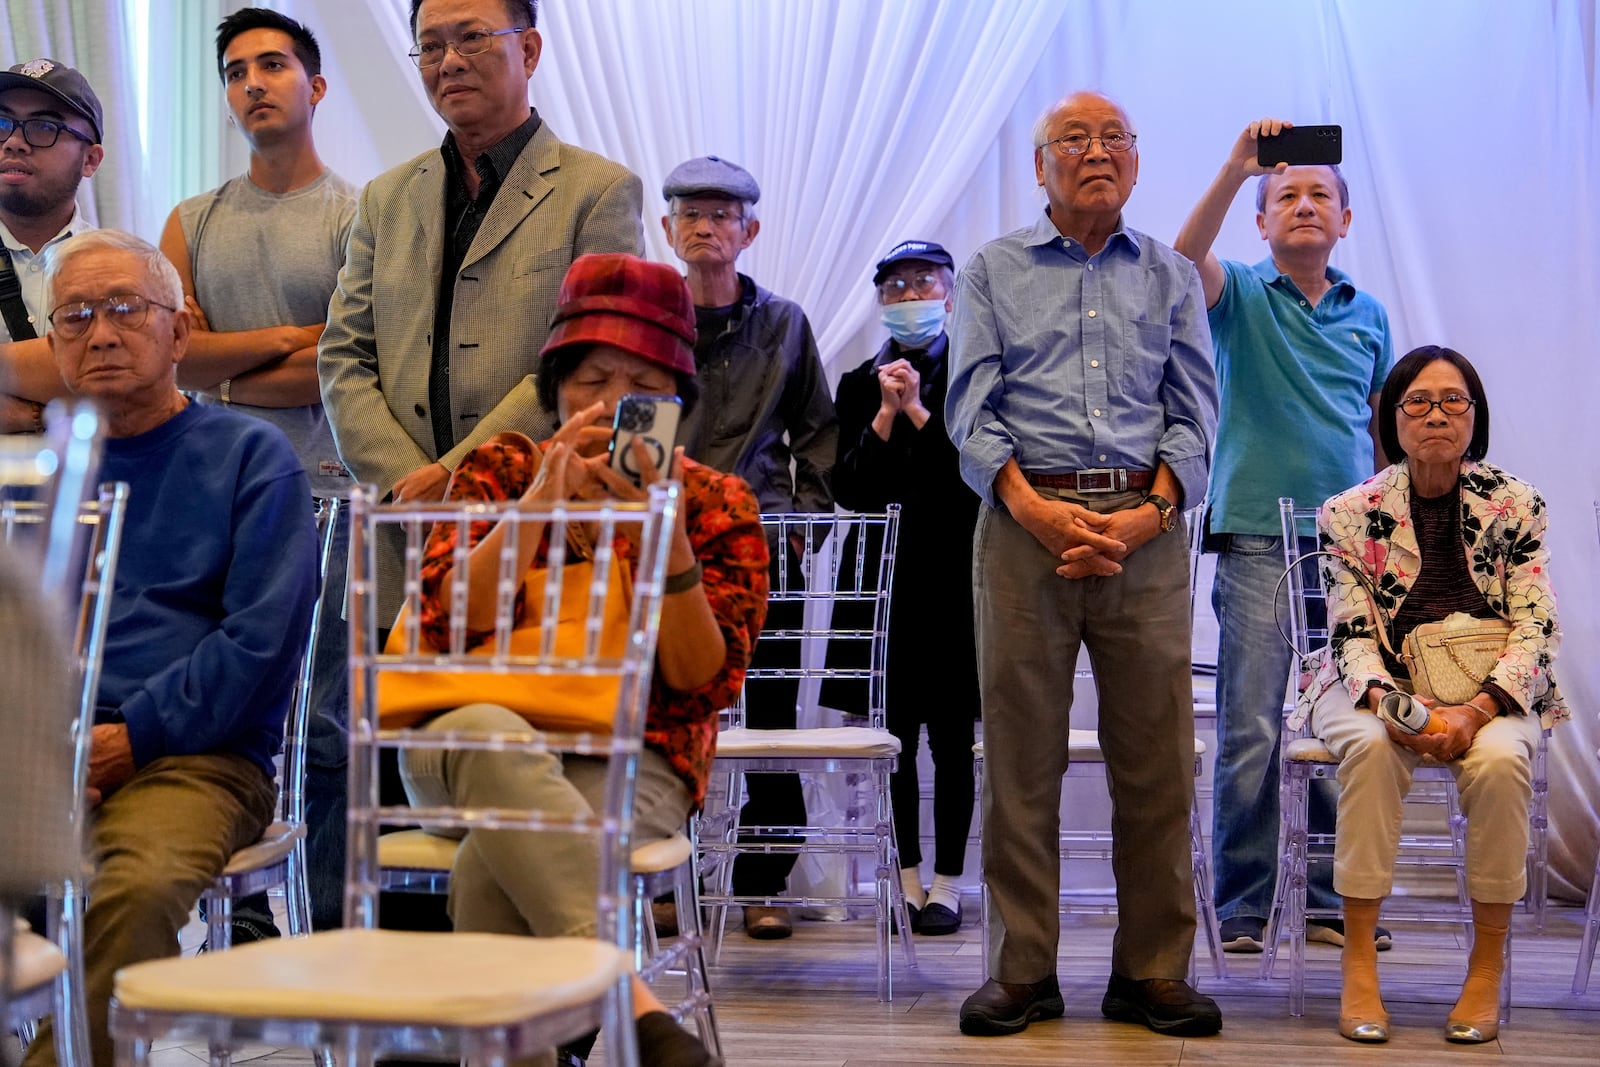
(1476, 1015)
(1362, 1016)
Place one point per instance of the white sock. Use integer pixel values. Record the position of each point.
(945, 891)
(911, 886)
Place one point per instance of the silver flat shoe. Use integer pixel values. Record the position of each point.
(1471, 1033)
(1366, 1031)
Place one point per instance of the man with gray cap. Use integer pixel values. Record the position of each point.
(767, 416)
(50, 129)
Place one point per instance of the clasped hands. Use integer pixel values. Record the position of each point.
(901, 387)
(1088, 543)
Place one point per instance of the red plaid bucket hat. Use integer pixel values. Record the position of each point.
(622, 300)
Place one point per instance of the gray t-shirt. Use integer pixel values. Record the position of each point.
(264, 259)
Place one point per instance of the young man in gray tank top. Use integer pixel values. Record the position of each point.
(259, 257)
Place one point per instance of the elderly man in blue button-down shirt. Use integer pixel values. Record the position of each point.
(1083, 401)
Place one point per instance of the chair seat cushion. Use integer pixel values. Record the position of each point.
(417, 850)
(37, 960)
(1083, 746)
(834, 741)
(663, 855)
(1308, 750)
(277, 841)
(381, 976)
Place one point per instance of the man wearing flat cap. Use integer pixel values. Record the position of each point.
(894, 449)
(50, 128)
(454, 262)
(767, 416)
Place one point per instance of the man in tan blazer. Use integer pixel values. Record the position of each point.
(455, 259)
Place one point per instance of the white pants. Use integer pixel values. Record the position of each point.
(1494, 778)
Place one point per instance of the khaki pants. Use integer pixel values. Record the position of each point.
(158, 842)
(1031, 624)
(514, 881)
(1495, 780)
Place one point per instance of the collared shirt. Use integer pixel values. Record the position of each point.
(1289, 371)
(29, 266)
(1065, 361)
(463, 215)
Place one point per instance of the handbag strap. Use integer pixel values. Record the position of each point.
(11, 305)
(1378, 612)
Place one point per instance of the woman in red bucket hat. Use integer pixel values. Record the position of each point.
(623, 326)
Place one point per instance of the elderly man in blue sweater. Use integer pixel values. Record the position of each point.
(209, 616)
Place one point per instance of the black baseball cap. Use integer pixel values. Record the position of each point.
(61, 82)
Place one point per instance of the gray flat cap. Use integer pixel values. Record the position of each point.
(711, 176)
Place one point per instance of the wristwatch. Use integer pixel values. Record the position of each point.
(1166, 509)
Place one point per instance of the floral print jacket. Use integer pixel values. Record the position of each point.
(724, 526)
(1503, 526)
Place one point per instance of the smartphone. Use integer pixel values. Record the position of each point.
(1302, 146)
(653, 419)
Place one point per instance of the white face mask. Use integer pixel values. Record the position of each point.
(914, 323)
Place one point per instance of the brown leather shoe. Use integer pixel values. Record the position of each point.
(664, 916)
(1165, 1005)
(999, 1008)
(767, 924)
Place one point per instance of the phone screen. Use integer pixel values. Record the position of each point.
(653, 419)
(1302, 146)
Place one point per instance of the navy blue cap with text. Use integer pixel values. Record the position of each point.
(927, 251)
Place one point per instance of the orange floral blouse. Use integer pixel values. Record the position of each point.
(724, 526)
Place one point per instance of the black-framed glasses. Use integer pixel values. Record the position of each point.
(126, 311)
(1076, 144)
(40, 133)
(471, 43)
(923, 283)
(1419, 407)
(719, 216)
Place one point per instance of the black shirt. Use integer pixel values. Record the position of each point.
(462, 217)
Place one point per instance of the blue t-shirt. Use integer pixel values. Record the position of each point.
(214, 586)
(1294, 383)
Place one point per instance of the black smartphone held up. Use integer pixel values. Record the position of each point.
(651, 418)
(1302, 146)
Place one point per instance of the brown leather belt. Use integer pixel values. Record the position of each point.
(1097, 480)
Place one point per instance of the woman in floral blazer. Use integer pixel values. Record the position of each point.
(1436, 533)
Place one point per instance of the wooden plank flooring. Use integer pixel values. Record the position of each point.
(811, 1000)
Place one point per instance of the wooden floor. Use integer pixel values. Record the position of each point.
(810, 1001)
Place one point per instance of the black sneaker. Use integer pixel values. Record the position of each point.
(244, 932)
(1243, 933)
(1331, 932)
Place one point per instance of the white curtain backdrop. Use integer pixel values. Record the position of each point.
(1472, 148)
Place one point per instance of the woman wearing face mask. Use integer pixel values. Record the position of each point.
(893, 449)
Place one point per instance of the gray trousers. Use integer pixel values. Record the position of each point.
(1136, 626)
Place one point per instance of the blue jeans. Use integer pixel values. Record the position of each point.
(1252, 681)
(328, 744)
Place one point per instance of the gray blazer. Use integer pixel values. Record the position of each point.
(556, 203)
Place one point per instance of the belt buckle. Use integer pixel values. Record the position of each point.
(1116, 480)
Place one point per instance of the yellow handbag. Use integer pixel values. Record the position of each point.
(566, 703)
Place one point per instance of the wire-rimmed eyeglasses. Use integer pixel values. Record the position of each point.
(1076, 144)
(472, 43)
(126, 311)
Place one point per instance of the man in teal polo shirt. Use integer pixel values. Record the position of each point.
(1301, 355)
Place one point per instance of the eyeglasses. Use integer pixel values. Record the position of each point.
(1419, 407)
(1076, 144)
(126, 311)
(716, 216)
(40, 133)
(471, 43)
(924, 284)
